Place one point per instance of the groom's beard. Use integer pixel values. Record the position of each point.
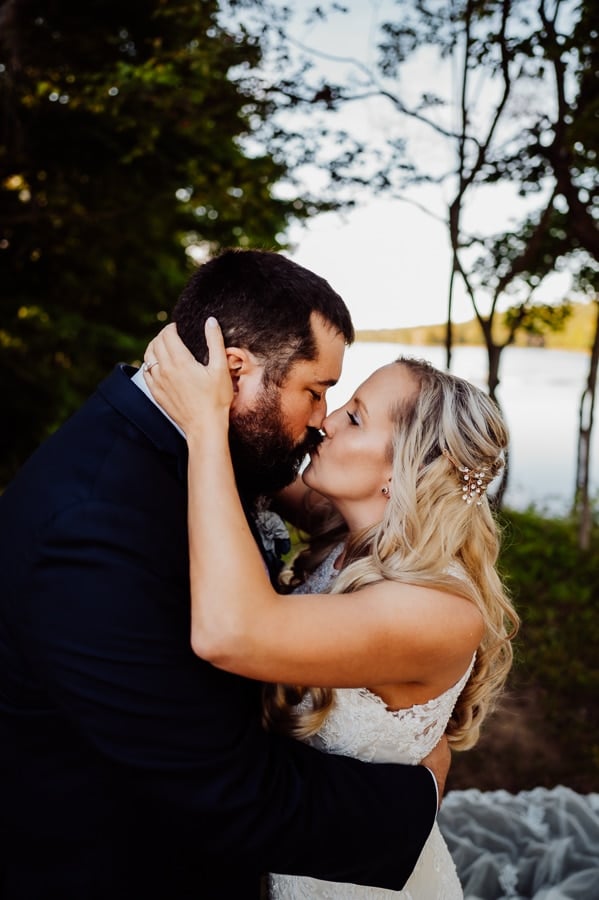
(265, 457)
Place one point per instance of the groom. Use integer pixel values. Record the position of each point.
(129, 768)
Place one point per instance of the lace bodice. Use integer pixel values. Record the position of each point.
(361, 726)
(319, 580)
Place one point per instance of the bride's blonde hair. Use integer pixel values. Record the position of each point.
(430, 535)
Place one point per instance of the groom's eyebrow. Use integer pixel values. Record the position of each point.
(328, 382)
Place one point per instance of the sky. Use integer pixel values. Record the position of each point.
(389, 262)
(388, 259)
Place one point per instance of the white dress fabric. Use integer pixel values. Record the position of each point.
(541, 844)
(360, 725)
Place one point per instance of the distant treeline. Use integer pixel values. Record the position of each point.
(576, 334)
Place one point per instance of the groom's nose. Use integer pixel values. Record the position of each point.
(318, 414)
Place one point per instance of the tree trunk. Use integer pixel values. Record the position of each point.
(582, 501)
(494, 358)
(448, 324)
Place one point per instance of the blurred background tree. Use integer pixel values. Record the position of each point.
(132, 133)
(124, 136)
(479, 100)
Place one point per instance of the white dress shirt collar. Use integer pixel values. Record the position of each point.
(140, 382)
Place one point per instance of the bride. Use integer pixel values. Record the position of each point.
(402, 631)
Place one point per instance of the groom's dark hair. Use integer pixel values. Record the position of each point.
(263, 302)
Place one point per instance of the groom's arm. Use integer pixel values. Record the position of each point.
(109, 636)
(438, 762)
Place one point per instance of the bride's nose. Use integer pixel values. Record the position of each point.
(328, 424)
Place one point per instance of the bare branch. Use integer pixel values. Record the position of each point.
(523, 262)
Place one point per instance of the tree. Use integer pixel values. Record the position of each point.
(122, 132)
(588, 280)
(514, 113)
(572, 160)
(558, 149)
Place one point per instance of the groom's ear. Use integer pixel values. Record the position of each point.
(246, 374)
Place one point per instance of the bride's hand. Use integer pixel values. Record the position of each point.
(191, 394)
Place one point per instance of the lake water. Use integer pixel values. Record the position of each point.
(539, 394)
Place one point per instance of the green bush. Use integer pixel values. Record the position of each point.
(546, 731)
(556, 589)
(546, 728)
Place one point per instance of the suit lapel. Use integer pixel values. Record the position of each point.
(126, 398)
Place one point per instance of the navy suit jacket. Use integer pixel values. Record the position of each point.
(129, 767)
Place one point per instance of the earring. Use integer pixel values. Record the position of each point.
(385, 491)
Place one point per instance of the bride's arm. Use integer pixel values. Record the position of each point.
(384, 633)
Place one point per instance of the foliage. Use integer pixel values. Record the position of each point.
(512, 112)
(546, 732)
(538, 319)
(124, 138)
(573, 325)
(555, 587)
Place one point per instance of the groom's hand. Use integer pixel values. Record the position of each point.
(439, 761)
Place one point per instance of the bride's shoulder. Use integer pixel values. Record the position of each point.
(441, 614)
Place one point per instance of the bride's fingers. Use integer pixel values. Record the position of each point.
(173, 374)
(175, 350)
(149, 353)
(166, 350)
(217, 357)
(218, 363)
(162, 345)
(156, 352)
(167, 347)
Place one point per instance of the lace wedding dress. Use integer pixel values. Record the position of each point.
(360, 725)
